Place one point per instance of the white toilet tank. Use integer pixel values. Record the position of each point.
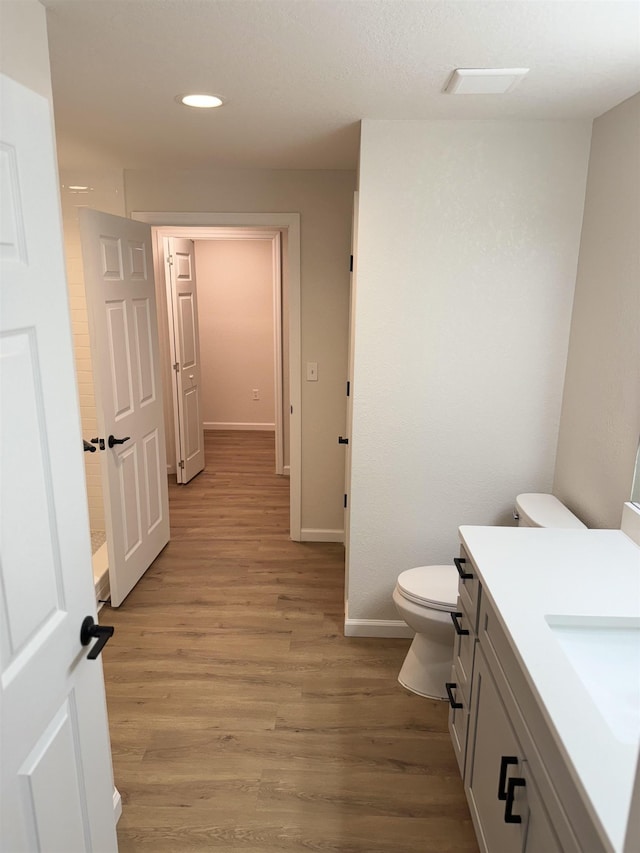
(534, 510)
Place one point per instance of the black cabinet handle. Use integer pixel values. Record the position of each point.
(450, 686)
(460, 631)
(342, 440)
(112, 440)
(505, 762)
(458, 561)
(512, 784)
(90, 630)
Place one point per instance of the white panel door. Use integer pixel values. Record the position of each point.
(57, 782)
(184, 303)
(349, 389)
(121, 299)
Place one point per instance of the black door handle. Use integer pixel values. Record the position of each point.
(90, 630)
(342, 440)
(88, 448)
(99, 442)
(111, 441)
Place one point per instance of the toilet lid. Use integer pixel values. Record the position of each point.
(434, 586)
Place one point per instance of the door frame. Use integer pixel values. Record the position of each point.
(161, 235)
(289, 222)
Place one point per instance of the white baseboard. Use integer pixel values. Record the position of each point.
(319, 534)
(286, 470)
(171, 469)
(377, 628)
(217, 425)
(117, 805)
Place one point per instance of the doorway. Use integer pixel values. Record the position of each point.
(288, 225)
(234, 306)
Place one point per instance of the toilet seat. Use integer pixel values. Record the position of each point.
(435, 587)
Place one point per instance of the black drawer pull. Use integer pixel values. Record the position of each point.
(462, 632)
(512, 784)
(465, 576)
(450, 686)
(505, 762)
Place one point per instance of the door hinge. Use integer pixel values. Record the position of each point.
(181, 463)
(350, 263)
(176, 366)
(348, 388)
(170, 260)
(345, 501)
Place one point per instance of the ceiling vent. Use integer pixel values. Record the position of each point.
(484, 81)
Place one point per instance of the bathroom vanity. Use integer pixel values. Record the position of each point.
(545, 687)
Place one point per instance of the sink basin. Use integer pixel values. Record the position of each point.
(605, 654)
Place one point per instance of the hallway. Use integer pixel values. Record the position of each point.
(241, 718)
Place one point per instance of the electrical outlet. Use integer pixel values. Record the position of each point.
(255, 395)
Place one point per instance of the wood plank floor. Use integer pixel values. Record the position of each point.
(241, 718)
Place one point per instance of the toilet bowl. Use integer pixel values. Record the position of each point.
(425, 597)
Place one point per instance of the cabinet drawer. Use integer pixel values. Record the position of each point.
(464, 646)
(468, 586)
(458, 717)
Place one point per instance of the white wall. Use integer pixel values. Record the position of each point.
(324, 201)
(24, 48)
(235, 311)
(600, 423)
(467, 251)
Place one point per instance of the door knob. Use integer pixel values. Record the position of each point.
(111, 441)
(342, 440)
(90, 630)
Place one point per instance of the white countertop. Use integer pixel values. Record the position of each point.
(532, 573)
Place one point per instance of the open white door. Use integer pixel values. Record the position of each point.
(185, 353)
(349, 418)
(57, 782)
(121, 300)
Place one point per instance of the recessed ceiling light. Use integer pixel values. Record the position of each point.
(484, 81)
(202, 102)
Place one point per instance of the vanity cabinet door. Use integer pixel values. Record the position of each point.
(494, 759)
(506, 807)
(541, 837)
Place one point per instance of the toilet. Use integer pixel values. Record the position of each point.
(532, 510)
(426, 596)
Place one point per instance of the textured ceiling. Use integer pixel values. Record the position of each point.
(300, 74)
